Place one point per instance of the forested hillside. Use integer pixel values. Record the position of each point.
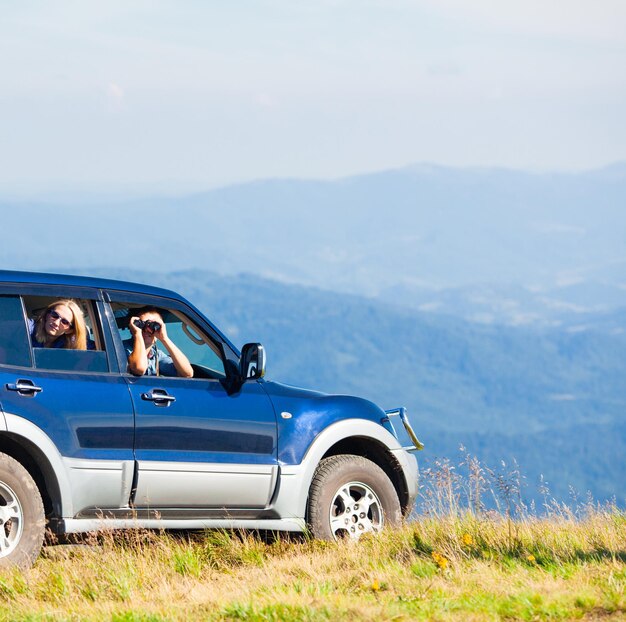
(552, 398)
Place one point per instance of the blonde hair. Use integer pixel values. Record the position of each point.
(75, 337)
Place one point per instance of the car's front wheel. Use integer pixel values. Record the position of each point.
(22, 519)
(350, 496)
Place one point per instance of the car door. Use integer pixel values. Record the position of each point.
(75, 399)
(198, 447)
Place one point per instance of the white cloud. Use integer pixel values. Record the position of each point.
(264, 100)
(562, 397)
(562, 305)
(578, 19)
(445, 69)
(115, 95)
(559, 228)
(567, 279)
(429, 307)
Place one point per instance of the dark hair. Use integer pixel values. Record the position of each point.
(141, 310)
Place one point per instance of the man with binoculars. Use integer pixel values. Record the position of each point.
(144, 358)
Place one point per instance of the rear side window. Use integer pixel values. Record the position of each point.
(14, 342)
(61, 354)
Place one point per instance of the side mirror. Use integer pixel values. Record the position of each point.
(252, 362)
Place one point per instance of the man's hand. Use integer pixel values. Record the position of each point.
(134, 329)
(161, 334)
(137, 359)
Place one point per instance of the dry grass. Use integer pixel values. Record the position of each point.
(457, 562)
(454, 568)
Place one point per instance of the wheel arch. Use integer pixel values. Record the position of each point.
(349, 436)
(379, 454)
(29, 445)
(33, 459)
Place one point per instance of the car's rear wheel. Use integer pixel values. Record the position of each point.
(350, 496)
(22, 519)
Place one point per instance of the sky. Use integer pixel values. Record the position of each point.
(136, 96)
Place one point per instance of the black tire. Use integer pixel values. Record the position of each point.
(349, 496)
(22, 518)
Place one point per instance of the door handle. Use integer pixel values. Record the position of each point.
(24, 387)
(159, 397)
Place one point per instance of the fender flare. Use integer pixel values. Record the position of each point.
(294, 494)
(22, 428)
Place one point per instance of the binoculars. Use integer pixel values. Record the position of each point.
(151, 325)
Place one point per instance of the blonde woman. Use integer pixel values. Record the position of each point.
(60, 325)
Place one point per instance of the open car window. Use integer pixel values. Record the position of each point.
(204, 354)
(91, 359)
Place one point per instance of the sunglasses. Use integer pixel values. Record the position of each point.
(55, 316)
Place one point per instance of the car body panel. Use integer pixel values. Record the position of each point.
(296, 478)
(167, 485)
(82, 525)
(99, 485)
(203, 426)
(20, 428)
(304, 414)
(86, 415)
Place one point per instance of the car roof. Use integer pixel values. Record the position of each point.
(44, 278)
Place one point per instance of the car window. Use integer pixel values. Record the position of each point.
(204, 354)
(62, 357)
(70, 360)
(14, 342)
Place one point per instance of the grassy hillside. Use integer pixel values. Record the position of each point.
(457, 561)
(450, 568)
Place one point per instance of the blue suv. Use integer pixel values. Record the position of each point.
(86, 445)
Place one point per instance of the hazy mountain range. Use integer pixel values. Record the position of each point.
(490, 245)
(490, 302)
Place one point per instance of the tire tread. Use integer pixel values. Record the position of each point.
(33, 533)
(324, 472)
